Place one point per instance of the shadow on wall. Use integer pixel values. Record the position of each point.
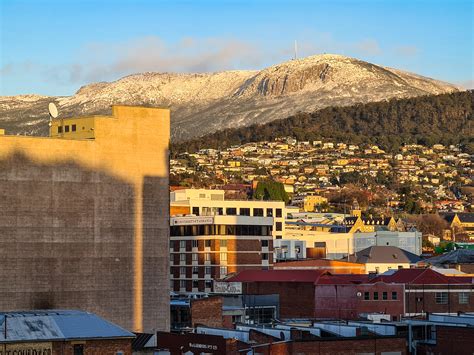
(66, 239)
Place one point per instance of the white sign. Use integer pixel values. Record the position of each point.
(228, 287)
(190, 221)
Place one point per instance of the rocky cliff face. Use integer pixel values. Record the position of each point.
(202, 103)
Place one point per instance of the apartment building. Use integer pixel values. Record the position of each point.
(212, 237)
(207, 248)
(204, 202)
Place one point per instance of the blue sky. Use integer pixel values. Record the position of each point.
(54, 47)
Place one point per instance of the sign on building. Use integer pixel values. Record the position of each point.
(190, 221)
(228, 287)
(26, 348)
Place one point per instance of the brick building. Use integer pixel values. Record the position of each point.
(427, 291)
(296, 289)
(58, 332)
(207, 248)
(407, 292)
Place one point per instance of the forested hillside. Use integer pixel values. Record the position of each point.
(445, 119)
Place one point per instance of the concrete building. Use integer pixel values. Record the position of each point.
(336, 244)
(207, 248)
(84, 219)
(201, 202)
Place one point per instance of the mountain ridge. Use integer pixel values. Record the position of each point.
(205, 102)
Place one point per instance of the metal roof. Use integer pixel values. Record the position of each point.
(50, 325)
(459, 256)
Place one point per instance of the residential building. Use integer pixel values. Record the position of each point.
(210, 247)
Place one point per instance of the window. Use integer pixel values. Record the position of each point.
(182, 257)
(269, 212)
(278, 212)
(182, 244)
(195, 283)
(171, 244)
(384, 296)
(264, 256)
(394, 295)
(223, 257)
(207, 243)
(195, 243)
(463, 297)
(60, 129)
(196, 211)
(182, 270)
(208, 284)
(264, 243)
(223, 243)
(195, 270)
(366, 296)
(278, 226)
(376, 296)
(245, 211)
(258, 212)
(223, 271)
(207, 257)
(73, 128)
(231, 211)
(207, 270)
(195, 257)
(182, 283)
(78, 349)
(278, 237)
(441, 297)
(66, 129)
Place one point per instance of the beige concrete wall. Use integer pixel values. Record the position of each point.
(85, 223)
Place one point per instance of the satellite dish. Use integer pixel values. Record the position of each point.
(53, 110)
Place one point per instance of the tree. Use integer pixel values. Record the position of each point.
(271, 190)
(430, 224)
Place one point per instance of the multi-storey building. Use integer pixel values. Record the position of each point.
(212, 237)
(207, 248)
(202, 202)
(84, 220)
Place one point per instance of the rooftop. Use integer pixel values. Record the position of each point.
(421, 277)
(59, 325)
(385, 255)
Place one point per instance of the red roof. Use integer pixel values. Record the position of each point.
(342, 279)
(320, 277)
(420, 277)
(310, 276)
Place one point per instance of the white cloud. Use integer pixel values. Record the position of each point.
(406, 51)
